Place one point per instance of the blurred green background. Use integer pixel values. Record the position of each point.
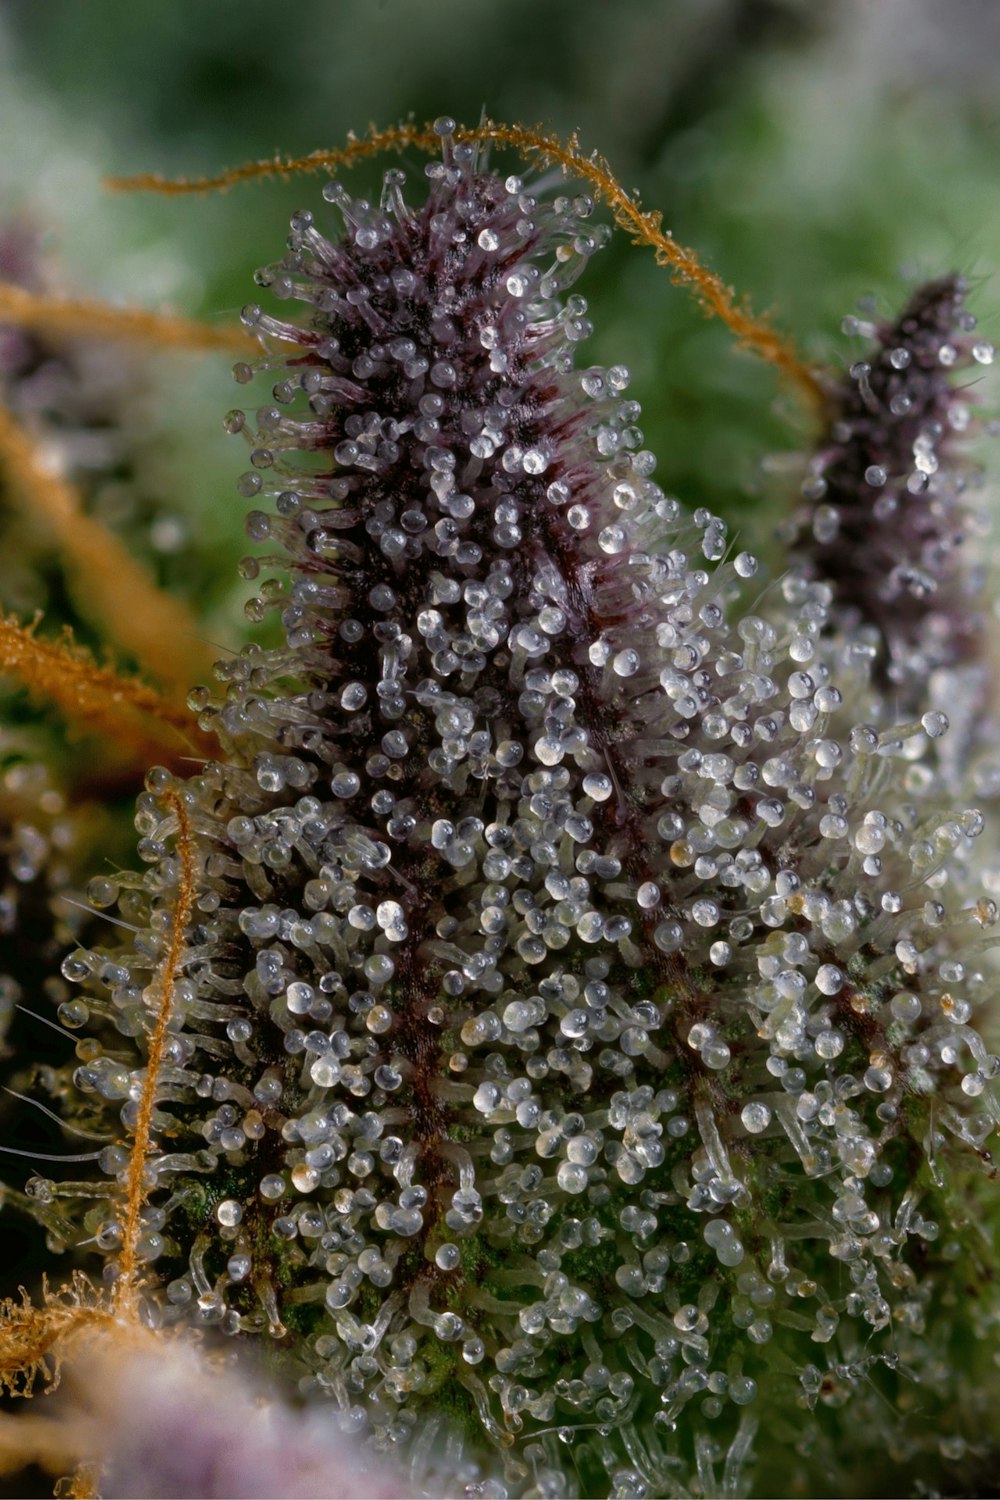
(813, 151)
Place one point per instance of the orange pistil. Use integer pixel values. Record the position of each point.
(76, 317)
(137, 1187)
(122, 709)
(156, 630)
(645, 226)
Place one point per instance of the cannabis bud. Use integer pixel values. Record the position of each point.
(885, 515)
(567, 1038)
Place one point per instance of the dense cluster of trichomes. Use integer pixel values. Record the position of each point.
(886, 521)
(574, 1041)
